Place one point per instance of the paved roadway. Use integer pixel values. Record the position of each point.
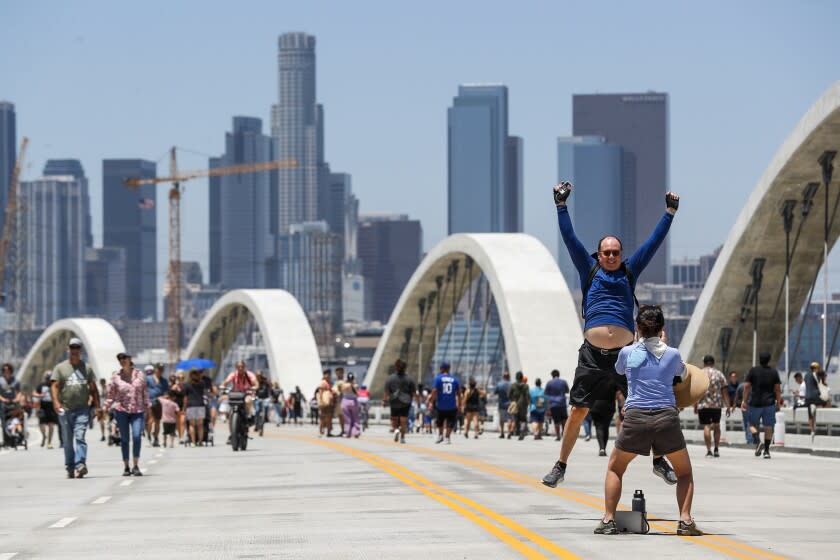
(292, 495)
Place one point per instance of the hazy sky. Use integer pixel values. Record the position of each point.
(93, 80)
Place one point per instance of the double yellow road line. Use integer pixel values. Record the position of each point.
(505, 529)
(723, 545)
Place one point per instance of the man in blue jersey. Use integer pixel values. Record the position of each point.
(446, 398)
(607, 282)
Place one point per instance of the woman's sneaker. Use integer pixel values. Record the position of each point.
(688, 529)
(558, 472)
(663, 470)
(606, 528)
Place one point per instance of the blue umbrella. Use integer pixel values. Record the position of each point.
(195, 363)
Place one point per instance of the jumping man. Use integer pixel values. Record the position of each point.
(607, 282)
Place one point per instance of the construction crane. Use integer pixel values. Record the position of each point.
(11, 239)
(173, 277)
(9, 226)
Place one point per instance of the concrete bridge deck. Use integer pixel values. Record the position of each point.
(293, 495)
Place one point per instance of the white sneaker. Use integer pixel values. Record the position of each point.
(448, 441)
(439, 439)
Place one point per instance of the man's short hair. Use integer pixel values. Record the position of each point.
(555, 373)
(708, 360)
(764, 358)
(519, 376)
(797, 374)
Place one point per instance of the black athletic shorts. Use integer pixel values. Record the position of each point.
(399, 411)
(709, 416)
(168, 429)
(450, 415)
(593, 376)
(559, 414)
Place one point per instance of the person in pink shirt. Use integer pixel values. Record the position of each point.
(169, 416)
(128, 395)
(243, 381)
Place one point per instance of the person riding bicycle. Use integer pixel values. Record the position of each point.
(243, 381)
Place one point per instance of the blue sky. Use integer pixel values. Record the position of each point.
(95, 79)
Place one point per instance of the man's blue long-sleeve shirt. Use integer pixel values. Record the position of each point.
(609, 300)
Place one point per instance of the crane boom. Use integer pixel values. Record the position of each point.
(215, 172)
(9, 226)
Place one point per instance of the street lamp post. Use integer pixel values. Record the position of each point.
(825, 161)
(724, 340)
(787, 217)
(757, 275)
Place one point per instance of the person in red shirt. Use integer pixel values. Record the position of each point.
(243, 381)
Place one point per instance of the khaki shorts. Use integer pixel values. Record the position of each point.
(646, 429)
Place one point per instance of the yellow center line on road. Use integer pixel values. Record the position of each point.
(720, 544)
(454, 501)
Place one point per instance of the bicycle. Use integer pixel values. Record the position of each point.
(238, 421)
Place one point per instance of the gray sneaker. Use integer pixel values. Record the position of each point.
(558, 472)
(663, 470)
(439, 439)
(607, 528)
(688, 529)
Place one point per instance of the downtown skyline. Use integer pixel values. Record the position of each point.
(722, 136)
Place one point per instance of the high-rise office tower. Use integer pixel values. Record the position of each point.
(484, 163)
(390, 249)
(54, 228)
(638, 122)
(130, 221)
(239, 204)
(105, 283)
(594, 166)
(8, 155)
(514, 185)
(73, 168)
(297, 128)
(308, 266)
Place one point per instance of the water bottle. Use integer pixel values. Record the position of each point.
(639, 501)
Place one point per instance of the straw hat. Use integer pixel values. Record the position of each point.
(693, 387)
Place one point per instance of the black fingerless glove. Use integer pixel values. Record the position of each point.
(563, 193)
(672, 201)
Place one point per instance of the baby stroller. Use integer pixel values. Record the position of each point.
(14, 429)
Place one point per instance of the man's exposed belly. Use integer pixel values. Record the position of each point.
(608, 336)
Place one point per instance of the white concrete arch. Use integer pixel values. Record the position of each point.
(290, 345)
(538, 316)
(759, 232)
(101, 341)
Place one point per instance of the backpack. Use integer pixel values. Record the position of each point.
(325, 398)
(593, 271)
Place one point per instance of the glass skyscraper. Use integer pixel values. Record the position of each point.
(390, 249)
(239, 205)
(638, 122)
(73, 168)
(8, 155)
(130, 221)
(594, 167)
(297, 128)
(483, 196)
(54, 228)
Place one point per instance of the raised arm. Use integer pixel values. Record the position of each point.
(640, 259)
(580, 257)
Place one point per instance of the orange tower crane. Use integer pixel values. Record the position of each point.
(173, 276)
(10, 225)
